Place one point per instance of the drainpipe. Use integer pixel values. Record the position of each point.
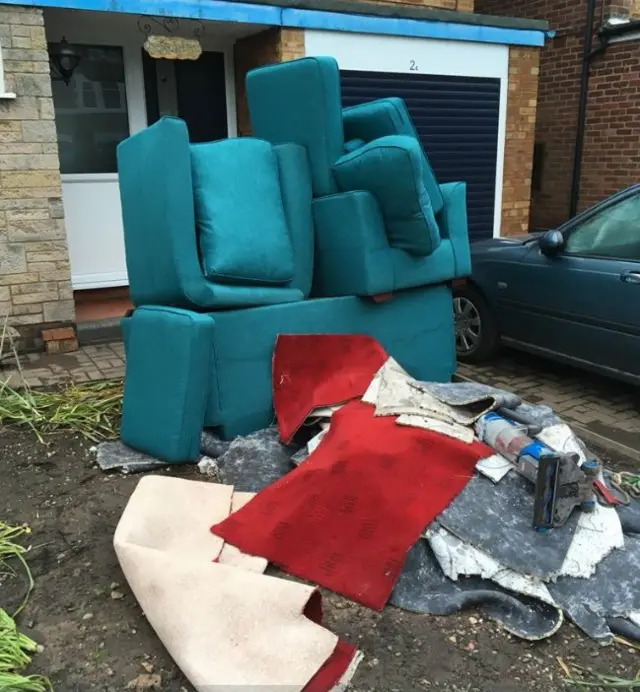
(582, 108)
(605, 35)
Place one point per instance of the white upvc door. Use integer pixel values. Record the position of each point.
(103, 104)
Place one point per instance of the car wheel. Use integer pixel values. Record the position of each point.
(476, 333)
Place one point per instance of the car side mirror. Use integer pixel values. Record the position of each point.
(551, 243)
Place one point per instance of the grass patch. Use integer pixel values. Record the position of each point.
(88, 409)
(10, 549)
(16, 650)
(585, 680)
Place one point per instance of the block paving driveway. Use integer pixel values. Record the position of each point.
(605, 411)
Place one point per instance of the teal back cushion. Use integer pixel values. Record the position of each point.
(385, 117)
(391, 169)
(240, 218)
(300, 102)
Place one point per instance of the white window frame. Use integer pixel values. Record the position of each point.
(4, 94)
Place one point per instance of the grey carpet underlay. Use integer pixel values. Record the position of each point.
(614, 591)
(423, 588)
(253, 462)
(498, 520)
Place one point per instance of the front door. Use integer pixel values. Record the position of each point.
(194, 90)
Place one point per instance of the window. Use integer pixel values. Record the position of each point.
(613, 232)
(91, 112)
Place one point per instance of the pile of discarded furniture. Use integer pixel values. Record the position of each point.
(329, 220)
(303, 277)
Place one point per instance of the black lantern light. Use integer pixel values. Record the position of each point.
(65, 60)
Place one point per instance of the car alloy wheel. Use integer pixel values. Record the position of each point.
(468, 326)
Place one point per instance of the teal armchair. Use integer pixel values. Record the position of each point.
(183, 203)
(383, 223)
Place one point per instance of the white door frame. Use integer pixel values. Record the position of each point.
(101, 29)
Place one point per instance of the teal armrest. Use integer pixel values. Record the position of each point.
(352, 252)
(454, 226)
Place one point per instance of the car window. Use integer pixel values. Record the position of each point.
(613, 232)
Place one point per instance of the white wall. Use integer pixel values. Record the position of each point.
(398, 54)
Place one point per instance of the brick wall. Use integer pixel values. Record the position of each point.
(265, 48)
(610, 161)
(519, 139)
(35, 280)
(459, 5)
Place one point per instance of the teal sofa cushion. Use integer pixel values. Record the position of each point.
(242, 229)
(297, 196)
(385, 117)
(168, 379)
(352, 252)
(300, 102)
(391, 169)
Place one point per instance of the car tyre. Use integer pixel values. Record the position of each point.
(477, 337)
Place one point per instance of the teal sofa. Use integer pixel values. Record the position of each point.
(231, 243)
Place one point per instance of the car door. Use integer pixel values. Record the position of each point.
(583, 304)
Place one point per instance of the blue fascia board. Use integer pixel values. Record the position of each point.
(216, 10)
(448, 31)
(269, 15)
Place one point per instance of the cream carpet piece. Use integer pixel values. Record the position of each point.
(224, 626)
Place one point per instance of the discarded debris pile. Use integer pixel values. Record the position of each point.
(430, 497)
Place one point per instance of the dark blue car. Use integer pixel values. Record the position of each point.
(571, 294)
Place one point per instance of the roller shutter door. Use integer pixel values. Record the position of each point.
(457, 122)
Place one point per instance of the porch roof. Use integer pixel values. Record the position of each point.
(331, 15)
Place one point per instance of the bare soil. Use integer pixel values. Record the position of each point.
(95, 636)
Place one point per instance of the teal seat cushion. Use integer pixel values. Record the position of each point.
(240, 218)
(391, 169)
(385, 117)
(167, 382)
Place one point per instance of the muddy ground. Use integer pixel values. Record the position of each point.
(96, 638)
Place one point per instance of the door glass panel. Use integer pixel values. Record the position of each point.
(91, 112)
(613, 232)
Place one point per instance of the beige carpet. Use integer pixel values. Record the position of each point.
(224, 623)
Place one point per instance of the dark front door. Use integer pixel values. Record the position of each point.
(457, 121)
(193, 90)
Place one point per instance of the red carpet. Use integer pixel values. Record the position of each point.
(313, 370)
(346, 517)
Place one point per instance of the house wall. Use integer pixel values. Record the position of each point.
(35, 285)
(458, 5)
(610, 160)
(270, 46)
(522, 100)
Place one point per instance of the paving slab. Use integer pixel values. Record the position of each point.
(603, 411)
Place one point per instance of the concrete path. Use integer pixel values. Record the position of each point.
(605, 412)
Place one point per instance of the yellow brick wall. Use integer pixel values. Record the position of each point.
(35, 279)
(524, 69)
(267, 47)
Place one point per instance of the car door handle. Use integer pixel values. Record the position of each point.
(631, 277)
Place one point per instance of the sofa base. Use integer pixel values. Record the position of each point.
(415, 327)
